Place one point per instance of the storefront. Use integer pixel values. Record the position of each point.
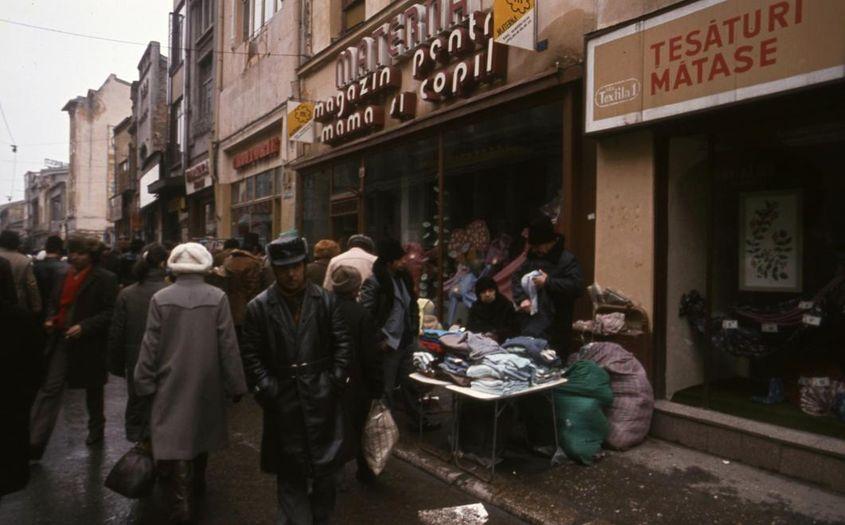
(251, 182)
(452, 155)
(720, 127)
(199, 197)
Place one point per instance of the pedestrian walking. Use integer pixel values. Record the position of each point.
(29, 297)
(389, 297)
(324, 250)
(190, 365)
(77, 326)
(359, 254)
(243, 272)
(127, 261)
(297, 357)
(228, 246)
(20, 370)
(366, 374)
(558, 282)
(127, 329)
(48, 270)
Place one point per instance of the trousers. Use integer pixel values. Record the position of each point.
(305, 501)
(48, 401)
(397, 386)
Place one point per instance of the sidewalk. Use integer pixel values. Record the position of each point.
(657, 482)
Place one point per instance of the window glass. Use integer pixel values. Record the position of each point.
(315, 205)
(345, 177)
(257, 9)
(264, 184)
(250, 184)
(353, 14)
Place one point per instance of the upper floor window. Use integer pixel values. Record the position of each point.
(256, 13)
(202, 17)
(353, 14)
(177, 36)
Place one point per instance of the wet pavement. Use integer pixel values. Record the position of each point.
(67, 484)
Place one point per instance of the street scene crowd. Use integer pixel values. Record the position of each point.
(315, 340)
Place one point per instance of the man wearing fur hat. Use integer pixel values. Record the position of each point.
(297, 356)
(189, 363)
(77, 323)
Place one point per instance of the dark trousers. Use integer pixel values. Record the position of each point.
(304, 501)
(181, 481)
(48, 401)
(398, 387)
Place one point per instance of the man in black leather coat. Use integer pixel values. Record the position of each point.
(297, 356)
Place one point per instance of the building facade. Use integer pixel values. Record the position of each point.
(123, 200)
(92, 119)
(719, 127)
(13, 217)
(46, 203)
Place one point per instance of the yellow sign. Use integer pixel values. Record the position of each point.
(514, 23)
(301, 121)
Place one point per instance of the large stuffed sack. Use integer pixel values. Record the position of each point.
(581, 424)
(633, 397)
(380, 436)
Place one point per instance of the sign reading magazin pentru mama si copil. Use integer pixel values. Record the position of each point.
(450, 46)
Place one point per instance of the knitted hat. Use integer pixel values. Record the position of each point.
(541, 231)
(346, 280)
(190, 257)
(326, 249)
(390, 250)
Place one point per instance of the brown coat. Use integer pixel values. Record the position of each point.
(189, 360)
(244, 273)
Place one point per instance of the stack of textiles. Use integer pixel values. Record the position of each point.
(430, 340)
(424, 363)
(501, 374)
(469, 344)
(534, 348)
(543, 374)
(456, 369)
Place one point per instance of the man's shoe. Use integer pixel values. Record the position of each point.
(94, 437)
(36, 452)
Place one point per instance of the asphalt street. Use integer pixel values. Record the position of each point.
(67, 484)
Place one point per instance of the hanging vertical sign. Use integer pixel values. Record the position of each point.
(515, 23)
(301, 121)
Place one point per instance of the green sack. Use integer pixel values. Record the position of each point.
(581, 424)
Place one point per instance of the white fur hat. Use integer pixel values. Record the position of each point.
(190, 257)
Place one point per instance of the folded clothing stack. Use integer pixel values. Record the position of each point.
(498, 387)
(430, 340)
(456, 369)
(424, 362)
(544, 374)
(536, 349)
(474, 346)
(501, 374)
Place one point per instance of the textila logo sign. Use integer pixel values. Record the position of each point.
(617, 92)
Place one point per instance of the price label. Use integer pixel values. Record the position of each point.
(769, 328)
(730, 324)
(812, 320)
(805, 305)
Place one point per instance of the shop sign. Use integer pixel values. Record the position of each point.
(265, 150)
(197, 177)
(515, 23)
(146, 198)
(709, 53)
(448, 59)
(300, 121)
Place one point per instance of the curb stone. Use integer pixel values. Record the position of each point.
(486, 492)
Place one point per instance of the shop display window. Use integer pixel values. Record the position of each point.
(756, 231)
(253, 200)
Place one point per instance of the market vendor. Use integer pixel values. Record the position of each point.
(492, 313)
(548, 295)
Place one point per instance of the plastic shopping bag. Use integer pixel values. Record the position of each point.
(380, 436)
(134, 474)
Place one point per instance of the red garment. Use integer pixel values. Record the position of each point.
(70, 288)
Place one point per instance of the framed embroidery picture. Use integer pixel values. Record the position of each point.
(770, 241)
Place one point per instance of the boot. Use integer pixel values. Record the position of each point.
(182, 492)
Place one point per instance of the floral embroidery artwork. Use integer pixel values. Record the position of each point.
(770, 251)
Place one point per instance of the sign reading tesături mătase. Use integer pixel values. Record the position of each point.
(709, 53)
(450, 46)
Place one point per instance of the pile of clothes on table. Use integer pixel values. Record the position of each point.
(476, 361)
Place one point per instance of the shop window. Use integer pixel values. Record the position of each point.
(253, 201)
(345, 180)
(353, 14)
(316, 187)
(264, 184)
(756, 228)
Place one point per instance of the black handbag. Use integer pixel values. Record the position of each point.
(133, 475)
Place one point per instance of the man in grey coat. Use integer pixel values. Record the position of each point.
(29, 297)
(189, 362)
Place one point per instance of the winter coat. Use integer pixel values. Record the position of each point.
(20, 373)
(189, 362)
(244, 272)
(366, 376)
(130, 321)
(377, 296)
(357, 258)
(92, 310)
(303, 422)
(29, 297)
(316, 271)
(564, 285)
(497, 317)
(47, 274)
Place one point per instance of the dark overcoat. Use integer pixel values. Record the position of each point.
(92, 310)
(303, 420)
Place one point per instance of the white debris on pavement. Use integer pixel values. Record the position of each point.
(474, 514)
